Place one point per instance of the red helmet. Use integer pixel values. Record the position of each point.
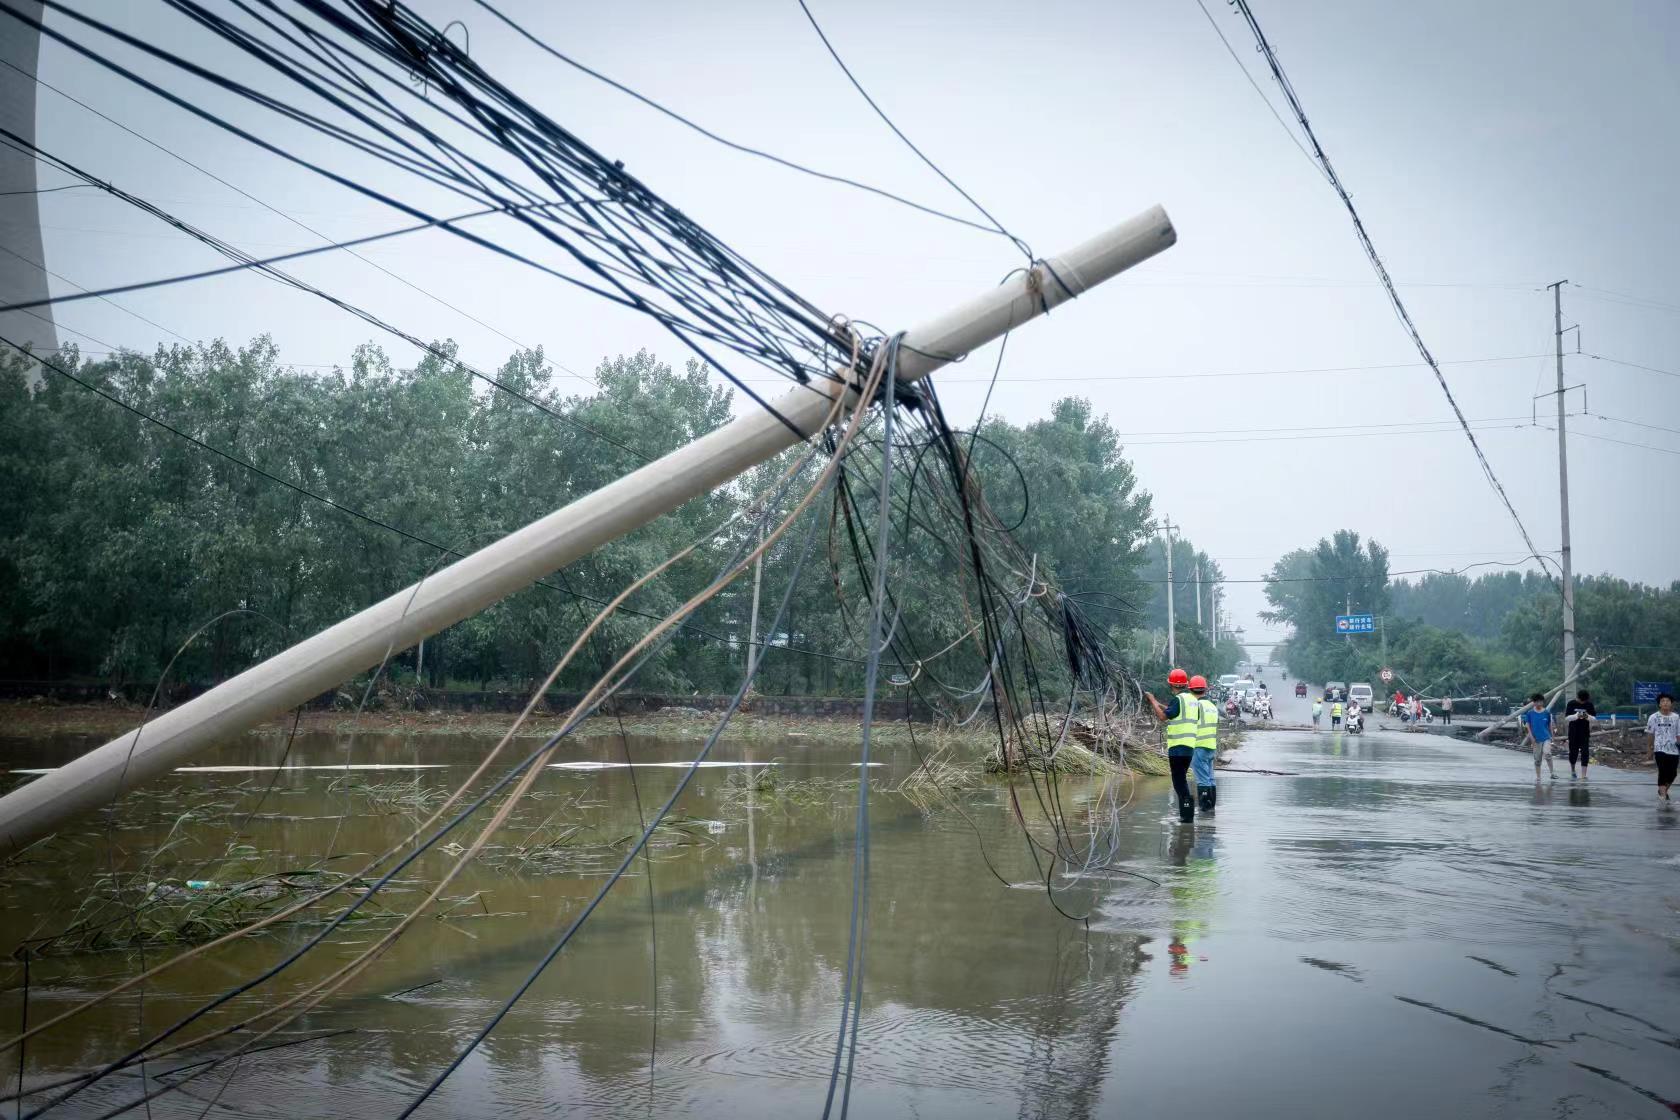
(1178, 678)
(1198, 683)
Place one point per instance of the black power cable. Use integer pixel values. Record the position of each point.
(724, 140)
(857, 85)
(636, 250)
(246, 261)
(1381, 269)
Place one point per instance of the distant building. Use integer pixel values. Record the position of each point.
(21, 275)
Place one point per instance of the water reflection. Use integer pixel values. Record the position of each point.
(975, 995)
(1382, 895)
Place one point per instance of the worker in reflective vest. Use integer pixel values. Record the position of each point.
(1207, 745)
(1182, 717)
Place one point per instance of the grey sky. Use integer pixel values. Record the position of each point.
(1491, 147)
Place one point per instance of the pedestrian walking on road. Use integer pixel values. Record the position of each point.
(1318, 710)
(1663, 731)
(1207, 746)
(1182, 717)
(1446, 709)
(1335, 714)
(1538, 721)
(1578, 716)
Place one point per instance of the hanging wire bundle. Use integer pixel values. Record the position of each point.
(378, 81)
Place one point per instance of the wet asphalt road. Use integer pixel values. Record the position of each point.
(1402, 925)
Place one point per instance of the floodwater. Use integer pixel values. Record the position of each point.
(1388, 926)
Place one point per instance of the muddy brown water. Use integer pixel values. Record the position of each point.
(1390, 926)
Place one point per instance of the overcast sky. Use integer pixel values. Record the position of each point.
(1492, 148)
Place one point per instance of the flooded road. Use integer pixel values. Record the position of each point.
(1389, 926)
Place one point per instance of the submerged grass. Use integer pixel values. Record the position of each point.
(133, 911)
(400, 796)
(767, 787)
(935, 780)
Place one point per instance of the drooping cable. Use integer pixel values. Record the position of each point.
(908, 143)
(551, 50)
(1381, 269)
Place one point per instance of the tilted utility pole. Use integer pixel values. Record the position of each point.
(518, 560)
(1563, 494)
(1172, 644)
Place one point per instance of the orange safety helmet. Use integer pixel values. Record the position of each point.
(1178, 678)
(1198, 683)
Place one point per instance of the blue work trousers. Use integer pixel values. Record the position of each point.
(1201, 761)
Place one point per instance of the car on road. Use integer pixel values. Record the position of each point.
(1300, 688)
(1360, 694)
(1335, 690)
(1226, 680)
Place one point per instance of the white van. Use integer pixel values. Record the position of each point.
(1360, 694)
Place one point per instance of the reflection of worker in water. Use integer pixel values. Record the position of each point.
(1182, 715)
(1193, 889)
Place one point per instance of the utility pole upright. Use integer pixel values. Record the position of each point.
(1198, 594)
(1563, 493)
(1172, 644)
(758, 582)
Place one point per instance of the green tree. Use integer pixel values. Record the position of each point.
(1308, 589)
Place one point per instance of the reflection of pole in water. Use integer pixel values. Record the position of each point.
(752, 838)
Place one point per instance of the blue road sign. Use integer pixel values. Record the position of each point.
(1356, 623)
(1645, 692)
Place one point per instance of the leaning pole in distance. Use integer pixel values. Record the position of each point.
(520, 559)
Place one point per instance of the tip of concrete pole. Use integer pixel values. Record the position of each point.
(1114, 250)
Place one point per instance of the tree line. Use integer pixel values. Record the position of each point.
(1498, 633)
(278, 501)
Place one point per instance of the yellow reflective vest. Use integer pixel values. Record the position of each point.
(1183, 729)
(1207, 734)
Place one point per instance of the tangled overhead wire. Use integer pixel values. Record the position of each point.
(348, 67)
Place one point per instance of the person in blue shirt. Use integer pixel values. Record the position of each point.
(1538, 721)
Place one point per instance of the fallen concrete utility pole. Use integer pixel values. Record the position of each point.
(1582, 668)
(520, 559)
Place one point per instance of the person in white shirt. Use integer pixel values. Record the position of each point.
(1663, 731)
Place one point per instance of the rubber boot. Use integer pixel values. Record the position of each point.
(1209, 795)
(1186, 809)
